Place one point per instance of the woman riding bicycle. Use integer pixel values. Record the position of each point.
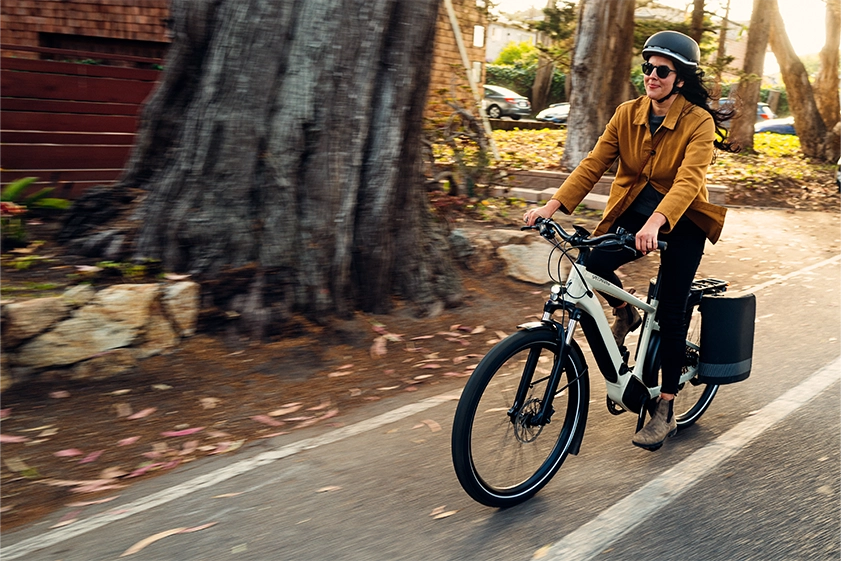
(665, 141)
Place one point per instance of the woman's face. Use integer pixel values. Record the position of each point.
(656, 87)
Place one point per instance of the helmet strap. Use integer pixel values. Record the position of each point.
(675, 90)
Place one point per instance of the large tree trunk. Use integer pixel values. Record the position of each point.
(826, 82)
(697, 24)
(741, 128)
(542, 86)
(816, 140)
(282, 150)
(600, 70)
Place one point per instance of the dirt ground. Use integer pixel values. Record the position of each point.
(76, 443)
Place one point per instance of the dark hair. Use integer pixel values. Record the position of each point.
(694, 90)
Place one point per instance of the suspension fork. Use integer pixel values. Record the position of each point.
(544, 415)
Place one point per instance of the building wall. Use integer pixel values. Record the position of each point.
(139, 28)
(127, 27)
(448, 72)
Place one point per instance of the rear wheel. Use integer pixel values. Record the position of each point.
(494, 112)
(500, 455)
(694, 397)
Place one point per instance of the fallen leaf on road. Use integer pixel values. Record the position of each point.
(113, 472)
(209, 402)
(431, 365)
(378, 348)
(61, 394)
(339, 373)
(92, 457)
(285, 409)
(438, 510)
(12, 438)
(67, 519)
(456, 374)
(48, 432)
(128, 441)
(143, 469)
(478, 329)
(161, 387)
(226, 495)
(444, 514)
(144, 413)
(185, 432)
(68, 453)
(123, 409)
(433, 425)
(150, 540)
(4, 413)
(324, 405)
(266, 420)
(328, 489)
(16, 464)
(224, 447)
(420, 337)
(388, 388)
(88, 503)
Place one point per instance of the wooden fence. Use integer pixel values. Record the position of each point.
(70, 125)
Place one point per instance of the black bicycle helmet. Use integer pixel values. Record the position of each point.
(675, 45)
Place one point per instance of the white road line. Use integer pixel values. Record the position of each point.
(588, 541)
(758, 287)
(164, 496)
(169, 494)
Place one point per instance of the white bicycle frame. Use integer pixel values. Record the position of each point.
(580, 290)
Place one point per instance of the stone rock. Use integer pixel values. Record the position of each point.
(529, 263)
(158, 335)
(104, 366)
(181, 305)
(499, 237)
(483, 261)
(24, 320)
(114, 318)
(78, 295)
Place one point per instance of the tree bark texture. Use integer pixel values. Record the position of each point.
(697, 25)
(826, 82)
(816, 139)
(283, 144)
(600, 73)
(542, 83)
(741, 128)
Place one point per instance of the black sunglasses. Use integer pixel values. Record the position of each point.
(662, 71)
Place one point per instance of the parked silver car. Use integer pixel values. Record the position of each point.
(555, 113)
(502, 102)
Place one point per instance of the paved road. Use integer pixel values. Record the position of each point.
(756, 478)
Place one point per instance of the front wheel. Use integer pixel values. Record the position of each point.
(502, 457)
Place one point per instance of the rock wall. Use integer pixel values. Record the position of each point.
(85, 334)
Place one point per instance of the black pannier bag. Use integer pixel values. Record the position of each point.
(727, 327)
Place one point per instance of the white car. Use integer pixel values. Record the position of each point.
(555, 113)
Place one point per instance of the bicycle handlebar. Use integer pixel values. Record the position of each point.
(581, 238)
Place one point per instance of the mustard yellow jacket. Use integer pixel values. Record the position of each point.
(676, 166)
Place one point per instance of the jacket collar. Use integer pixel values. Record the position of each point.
(672, 116)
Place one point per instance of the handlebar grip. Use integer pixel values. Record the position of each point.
(662, 245)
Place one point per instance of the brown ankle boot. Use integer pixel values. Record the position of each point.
(627, 319)
(661, 425)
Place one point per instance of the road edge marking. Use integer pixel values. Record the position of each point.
(50, 538)
(589, 540)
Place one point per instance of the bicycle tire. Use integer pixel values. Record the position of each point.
(499, 459)
(693, 397)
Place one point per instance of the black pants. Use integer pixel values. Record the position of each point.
(678, 265)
